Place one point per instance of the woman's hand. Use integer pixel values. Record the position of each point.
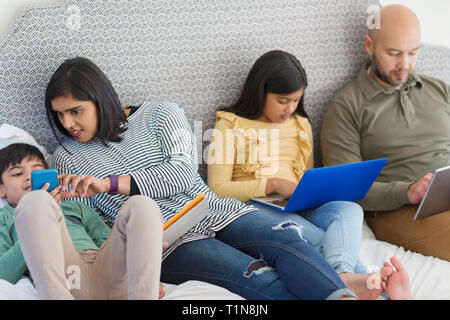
(280, 186)
(82, 186)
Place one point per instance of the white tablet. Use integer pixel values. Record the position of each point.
(437, 197)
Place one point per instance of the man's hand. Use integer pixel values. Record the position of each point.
(417, 190)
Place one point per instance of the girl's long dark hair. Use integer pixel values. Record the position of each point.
(275, 72)
(83, 80)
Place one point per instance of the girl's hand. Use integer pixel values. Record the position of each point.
(82, 186)
(55, 193)
(280, 186)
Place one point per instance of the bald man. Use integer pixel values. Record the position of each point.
(389, 111)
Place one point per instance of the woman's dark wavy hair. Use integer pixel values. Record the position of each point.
(81, 79)
(275, 72)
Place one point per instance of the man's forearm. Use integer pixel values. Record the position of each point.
(386, 196)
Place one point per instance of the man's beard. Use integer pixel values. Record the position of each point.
(383, 76)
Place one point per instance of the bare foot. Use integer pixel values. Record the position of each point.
(397, 284)
(359, 283)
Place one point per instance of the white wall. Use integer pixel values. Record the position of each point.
(433, 15)
(9, 9)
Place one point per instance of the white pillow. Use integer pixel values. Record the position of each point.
(10, 134)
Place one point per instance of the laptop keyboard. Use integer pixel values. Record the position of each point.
(280, 202)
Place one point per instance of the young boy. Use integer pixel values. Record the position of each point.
(67, 248)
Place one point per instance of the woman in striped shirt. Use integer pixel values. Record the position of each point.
(150, 150)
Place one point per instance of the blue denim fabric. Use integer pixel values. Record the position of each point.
(256, 257)
(334, 228)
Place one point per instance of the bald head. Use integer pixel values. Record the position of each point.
(394, 45)
(396, 20)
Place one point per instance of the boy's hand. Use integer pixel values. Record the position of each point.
(55, 193)
(82, 186)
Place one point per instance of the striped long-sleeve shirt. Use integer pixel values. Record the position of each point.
(158, 150)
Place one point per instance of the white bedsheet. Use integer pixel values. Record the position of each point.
(190, 290)
(428, 276)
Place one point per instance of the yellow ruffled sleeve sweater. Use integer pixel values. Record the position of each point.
(244, 153)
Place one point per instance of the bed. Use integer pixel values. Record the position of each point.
(428, 276)
(197, 53)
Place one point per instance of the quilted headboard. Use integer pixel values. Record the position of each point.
(194, 52)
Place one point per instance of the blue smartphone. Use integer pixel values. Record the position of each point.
(41, 177)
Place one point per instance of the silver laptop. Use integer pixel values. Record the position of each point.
(437, 197)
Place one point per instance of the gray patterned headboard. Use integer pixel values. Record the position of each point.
(194, 52)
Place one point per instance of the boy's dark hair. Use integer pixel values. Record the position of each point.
(15, 153)
(275, 72)
(85, 81)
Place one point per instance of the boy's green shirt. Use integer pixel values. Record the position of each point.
(86, 228)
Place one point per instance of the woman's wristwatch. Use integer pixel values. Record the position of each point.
(114, 186)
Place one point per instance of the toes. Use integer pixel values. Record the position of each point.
(397, 263)
(386, 271)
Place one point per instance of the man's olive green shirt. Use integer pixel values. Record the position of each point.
(409, 126)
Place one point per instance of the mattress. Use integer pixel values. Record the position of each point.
(427, 276)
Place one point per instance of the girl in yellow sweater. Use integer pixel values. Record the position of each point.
(263, 144)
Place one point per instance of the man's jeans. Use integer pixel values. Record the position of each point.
(334, 228)
(257, 257)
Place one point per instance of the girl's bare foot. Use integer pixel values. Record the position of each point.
(397, 284)
(359, 283)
